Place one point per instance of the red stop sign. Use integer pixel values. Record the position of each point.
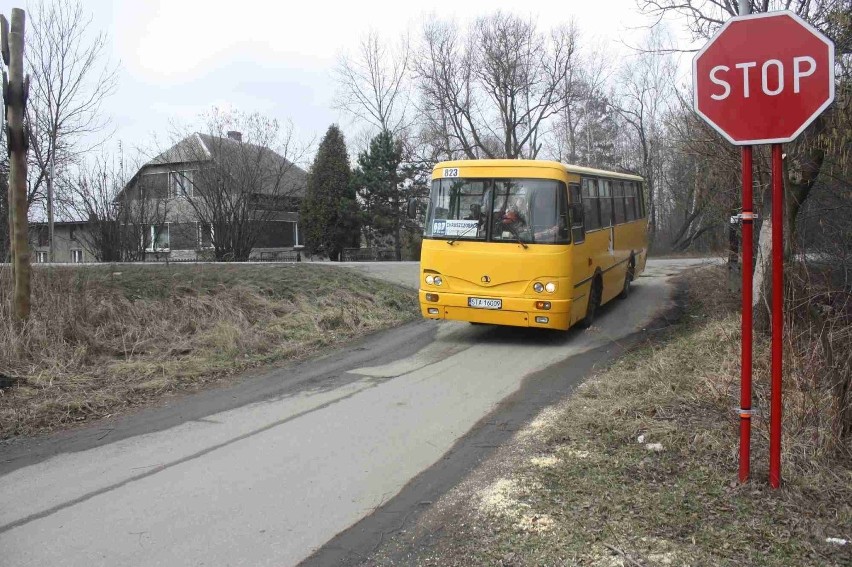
(763, 78)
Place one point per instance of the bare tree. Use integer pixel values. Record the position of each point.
(372, 83)
(70, 81)
(580, 129)
(702, 178)
(492, 92)
(805, 157)
(237, 177)
(118, 219)
(644, 89)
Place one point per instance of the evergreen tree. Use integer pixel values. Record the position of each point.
(330, 212)
(380, 184)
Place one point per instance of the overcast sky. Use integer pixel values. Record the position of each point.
(179, 58)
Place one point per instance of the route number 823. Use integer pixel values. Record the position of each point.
(451, 172)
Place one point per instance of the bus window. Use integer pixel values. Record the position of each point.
(548, 214)
(578, 233)
(530, 210)
(630, 201)
(618, 201)
(591, 212)
(453, 206)
(605, 192)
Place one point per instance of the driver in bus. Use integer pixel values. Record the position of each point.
(513, 218)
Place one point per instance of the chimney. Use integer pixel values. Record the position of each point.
(234, 135)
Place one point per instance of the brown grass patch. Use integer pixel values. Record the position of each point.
(102, 339)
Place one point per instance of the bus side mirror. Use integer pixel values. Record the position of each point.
(412, 208)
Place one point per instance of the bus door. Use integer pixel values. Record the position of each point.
(581, 268)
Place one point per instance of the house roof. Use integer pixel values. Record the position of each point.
(200, 148)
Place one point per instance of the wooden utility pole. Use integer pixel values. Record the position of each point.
(15, 90)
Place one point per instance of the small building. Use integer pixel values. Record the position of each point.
(71, 242)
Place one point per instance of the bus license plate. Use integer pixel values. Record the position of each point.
(480, 303)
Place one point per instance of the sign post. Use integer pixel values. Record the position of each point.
(777, 317)
(745, 350)
(762, 79)
(747, 312)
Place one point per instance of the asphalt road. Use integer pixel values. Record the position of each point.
(269, 471)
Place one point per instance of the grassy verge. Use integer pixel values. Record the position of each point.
(102, 339)
(638, 467)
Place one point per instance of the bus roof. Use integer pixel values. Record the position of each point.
(467, 163)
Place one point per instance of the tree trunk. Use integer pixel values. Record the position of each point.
(397, 231)
(17, 141)
(761, 282)
(10, 205)
(795, 193)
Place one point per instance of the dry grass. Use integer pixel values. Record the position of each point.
(638, 467)
(102, 339)
(818, 359)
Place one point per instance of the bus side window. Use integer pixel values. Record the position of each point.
(629, 201)
(618, 209)
(591, 211)
(605, 200)
(578, 232)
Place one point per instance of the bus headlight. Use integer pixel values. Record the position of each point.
(538, 287)
(550, 287)
(438, 280)
(430, 279)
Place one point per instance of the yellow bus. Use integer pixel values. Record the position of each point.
(529, 243)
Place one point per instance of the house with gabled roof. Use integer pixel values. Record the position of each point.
(218, 197)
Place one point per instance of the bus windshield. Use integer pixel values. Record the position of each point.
(498, 210)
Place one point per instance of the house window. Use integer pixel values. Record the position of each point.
(159, 238)
(41, 257)
(181, 183)
(43, 236)
(205, 235)
(154, 186)
(77, 256)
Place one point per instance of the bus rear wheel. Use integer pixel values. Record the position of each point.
(593, 305)
(629, 275)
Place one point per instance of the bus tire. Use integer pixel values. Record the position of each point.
(593, 305)
(629, 275)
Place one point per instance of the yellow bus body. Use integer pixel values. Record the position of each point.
(508, 271)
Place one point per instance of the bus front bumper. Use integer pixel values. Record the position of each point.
(514, 311)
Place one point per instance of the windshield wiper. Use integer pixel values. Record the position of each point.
(465, 231)
(518, 239)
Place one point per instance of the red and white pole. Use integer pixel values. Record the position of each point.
(777, 317)
(746, 354)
